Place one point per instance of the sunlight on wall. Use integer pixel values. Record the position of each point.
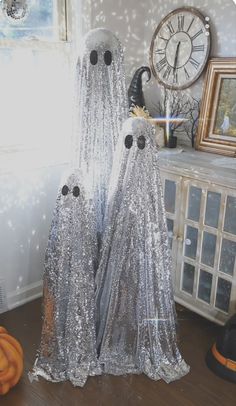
(35, 105)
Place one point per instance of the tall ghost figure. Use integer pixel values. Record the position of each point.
(102, 106)
(68, 342)
(134, 299)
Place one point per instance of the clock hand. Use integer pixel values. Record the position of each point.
(176, 55)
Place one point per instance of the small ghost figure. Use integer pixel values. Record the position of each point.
(68, 341)
(102, 106)
(136, 317)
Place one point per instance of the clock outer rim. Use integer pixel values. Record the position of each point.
(158, 28)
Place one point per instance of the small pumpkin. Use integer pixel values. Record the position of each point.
(11, 361)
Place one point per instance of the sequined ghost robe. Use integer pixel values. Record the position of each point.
(68, 342)
(101, 108)
(134, 299)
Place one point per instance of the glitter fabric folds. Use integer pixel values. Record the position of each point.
(134, 299)
(101, 107)
(68, 343)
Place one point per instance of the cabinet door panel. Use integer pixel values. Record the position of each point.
(204, 287)
(188, 278)
(194, 203)
(170, 195)
(230, 215)
(212, 209)
(170, 227)
(191, 238)
(208, 249)
(223, 292)
(227, 258)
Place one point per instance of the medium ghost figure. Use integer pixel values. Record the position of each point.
(134, 299)
(68, 342)
(102, 106)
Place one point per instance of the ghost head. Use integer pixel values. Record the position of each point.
(101, 109)
(135, 160)
(68, 343)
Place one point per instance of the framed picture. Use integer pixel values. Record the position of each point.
(217, 122)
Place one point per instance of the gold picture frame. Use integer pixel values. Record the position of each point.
(217, 121)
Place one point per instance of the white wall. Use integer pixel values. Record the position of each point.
(26, 204)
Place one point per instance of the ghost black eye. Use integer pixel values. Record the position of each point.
(94, 57)
(65, 190)
(108, 57)
(128, 141)
(76, 191)
(141, 142)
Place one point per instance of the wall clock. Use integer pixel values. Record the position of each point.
(180, 48)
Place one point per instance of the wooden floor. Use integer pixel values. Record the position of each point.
(199, 388)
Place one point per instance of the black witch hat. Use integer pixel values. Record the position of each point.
(135, 91)
(221, 358)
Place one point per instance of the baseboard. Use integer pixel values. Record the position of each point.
(21, 296)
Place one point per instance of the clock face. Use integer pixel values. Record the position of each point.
(180, 48)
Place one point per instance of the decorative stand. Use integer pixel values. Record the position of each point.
(171, 142)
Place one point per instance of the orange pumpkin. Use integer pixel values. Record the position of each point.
(11, 361)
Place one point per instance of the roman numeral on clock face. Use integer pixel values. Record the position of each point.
(197, 34)
(167, 72)
(160, 51)
(170, 27)
(180, 23)
(190, 25)
(194, 62)
(160, 65)
(175, 76)
(164, 39)
(197, 48)
(186, 73)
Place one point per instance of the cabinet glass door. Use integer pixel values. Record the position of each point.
(171, 188)
(207, 249)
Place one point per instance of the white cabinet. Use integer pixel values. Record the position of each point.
(200, 201)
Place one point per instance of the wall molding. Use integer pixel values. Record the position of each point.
(26, 294)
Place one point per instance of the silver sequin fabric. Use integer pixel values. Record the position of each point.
(68, 342)
(136, 319)
(101, 108)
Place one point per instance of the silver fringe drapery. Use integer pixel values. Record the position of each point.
(68, 343)
(136, 324)
(101, 107)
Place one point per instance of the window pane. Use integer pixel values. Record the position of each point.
(194, 202)
(230, 215)
(227, 258)
(223, 294)
(188, 278)
(170, 191)
(170, 227)
(191, 242)
(212, 209)
(208, 249)
(40, 20)
(204, 288)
